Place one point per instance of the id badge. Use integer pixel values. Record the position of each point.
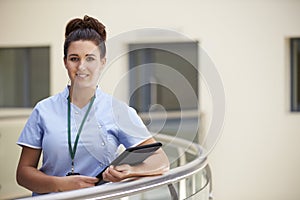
(72, 174)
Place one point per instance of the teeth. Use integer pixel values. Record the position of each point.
(81, 75)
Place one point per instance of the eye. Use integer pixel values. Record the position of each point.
(74, 59)
(90, 58)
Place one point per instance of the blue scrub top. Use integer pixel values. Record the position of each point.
(109, 124)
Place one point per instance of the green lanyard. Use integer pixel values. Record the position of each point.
(73, 150)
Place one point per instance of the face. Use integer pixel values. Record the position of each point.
(84, 64)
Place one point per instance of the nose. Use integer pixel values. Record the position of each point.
(82, 65)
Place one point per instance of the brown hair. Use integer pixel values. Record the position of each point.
(87, 28)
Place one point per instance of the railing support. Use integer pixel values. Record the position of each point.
(173, 193)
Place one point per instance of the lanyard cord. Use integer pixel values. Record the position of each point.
(72, 151)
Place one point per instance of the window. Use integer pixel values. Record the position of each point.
(156, 69)
(24, 77)
(295, 74)
(164, 80)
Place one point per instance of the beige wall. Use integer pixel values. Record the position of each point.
(258, 155)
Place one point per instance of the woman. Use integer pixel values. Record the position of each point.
(80, 129)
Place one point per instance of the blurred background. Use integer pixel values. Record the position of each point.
(258, 153)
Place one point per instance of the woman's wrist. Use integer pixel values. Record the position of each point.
(55, 183)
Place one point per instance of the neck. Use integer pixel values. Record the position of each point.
(81, 97)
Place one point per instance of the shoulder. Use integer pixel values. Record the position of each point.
(54, 101)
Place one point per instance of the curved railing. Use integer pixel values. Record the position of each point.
(186, 170)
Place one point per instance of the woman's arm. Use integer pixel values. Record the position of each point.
(31, 178)
(156, 164)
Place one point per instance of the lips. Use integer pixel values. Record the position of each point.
(80, 75)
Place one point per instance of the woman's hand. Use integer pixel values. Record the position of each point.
(75, 182)
(117, 173)
(156, 164)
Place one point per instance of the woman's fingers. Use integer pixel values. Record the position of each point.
(75, 182)
(116, 174)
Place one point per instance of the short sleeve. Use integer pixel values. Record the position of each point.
(32, 134)
(132, 130)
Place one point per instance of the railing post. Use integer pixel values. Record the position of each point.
(209, 178)
(173, 193)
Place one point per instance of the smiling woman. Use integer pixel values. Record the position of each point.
(84, 65)
(79, 130)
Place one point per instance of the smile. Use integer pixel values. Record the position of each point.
(82, 75)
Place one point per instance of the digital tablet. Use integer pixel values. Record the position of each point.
(133, 156)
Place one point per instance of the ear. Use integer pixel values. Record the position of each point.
(65, 62)
(103, 61)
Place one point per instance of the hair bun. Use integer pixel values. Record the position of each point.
(86, 23)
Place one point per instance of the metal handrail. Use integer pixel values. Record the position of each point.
(121, 189)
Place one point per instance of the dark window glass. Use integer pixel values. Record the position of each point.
(153, 75)
(295, 74)
(24, 77)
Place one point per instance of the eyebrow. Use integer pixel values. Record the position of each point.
(90, 55)
(85, 55)
(73, 54)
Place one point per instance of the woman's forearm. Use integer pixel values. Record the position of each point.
(156, 164)
(39, 182)
(35, 180)
(29, 176)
